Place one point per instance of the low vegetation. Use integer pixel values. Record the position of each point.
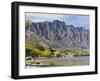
(35, 51)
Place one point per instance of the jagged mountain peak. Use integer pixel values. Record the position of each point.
(58, 34)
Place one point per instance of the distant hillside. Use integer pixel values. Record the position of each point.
(57, 34)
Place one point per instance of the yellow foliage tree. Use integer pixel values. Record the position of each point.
(46, 53)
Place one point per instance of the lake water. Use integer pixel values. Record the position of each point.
(67, 59)
(61, 61)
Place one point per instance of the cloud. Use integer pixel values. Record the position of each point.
(77, 20)
(45, 17)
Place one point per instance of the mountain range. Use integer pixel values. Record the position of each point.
(57, 34)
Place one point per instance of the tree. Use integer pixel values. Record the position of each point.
(37, 52)
(46, 53)
(52, 52)
(28, 52)
(57, 53)
(28, 23)
(31, 51)
(36, 45)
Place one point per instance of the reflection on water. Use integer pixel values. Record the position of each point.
(61, 61)
(66, 59)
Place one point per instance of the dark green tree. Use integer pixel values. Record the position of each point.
(28, 24)
(28, 52)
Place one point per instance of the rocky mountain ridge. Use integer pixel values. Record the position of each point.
(57, 34)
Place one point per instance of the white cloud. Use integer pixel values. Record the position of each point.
(45, 17)
(76, 20)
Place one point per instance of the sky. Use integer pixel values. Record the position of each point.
(70, 19)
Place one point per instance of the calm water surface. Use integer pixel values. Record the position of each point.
(67, 59)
